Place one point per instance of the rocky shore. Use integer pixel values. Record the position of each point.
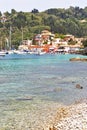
(49, 116)
(72, 117)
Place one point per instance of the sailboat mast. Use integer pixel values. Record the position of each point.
(22, 34)
(10, 38)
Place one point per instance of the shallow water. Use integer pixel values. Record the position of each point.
(28, 79)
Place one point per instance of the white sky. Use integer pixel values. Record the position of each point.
(41, 5)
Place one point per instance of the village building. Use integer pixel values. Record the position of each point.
(47, 42)
(47, 37)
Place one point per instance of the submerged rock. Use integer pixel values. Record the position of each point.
(79, 86)
(24, 99)
(57, 89)
(78, 59)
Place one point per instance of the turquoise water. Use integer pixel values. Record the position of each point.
(29, 78)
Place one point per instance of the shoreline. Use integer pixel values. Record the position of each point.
(50, 116)
(73, 117)
(37, 116)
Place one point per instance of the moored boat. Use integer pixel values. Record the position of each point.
(2, 53)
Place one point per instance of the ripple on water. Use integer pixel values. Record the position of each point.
(28, 86)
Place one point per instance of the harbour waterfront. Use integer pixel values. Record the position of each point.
(38, 83)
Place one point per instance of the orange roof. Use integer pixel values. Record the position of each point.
(44, 47)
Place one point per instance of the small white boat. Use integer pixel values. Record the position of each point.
(37, 52)
(41, 53)
(2, 53)
(19, 52)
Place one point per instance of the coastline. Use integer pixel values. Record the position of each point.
(49, 116)
(37, 116)
(21, 111)
(73, 117)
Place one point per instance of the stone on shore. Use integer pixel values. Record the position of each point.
(76, 118)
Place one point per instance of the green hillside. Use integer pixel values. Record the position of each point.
(26, 24)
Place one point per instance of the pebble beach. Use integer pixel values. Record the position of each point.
(49, 117)
(72, 117)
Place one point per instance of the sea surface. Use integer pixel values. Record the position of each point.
(28, 79)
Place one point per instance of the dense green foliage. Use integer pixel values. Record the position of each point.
(85, 43)
(26, 24)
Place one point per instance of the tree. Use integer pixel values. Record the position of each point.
(19, 20)
(7, 14)
(85, 43)
(13, 11)
(35, 11)
(0, 14)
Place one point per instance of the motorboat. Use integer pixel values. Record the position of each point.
(2, 53)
